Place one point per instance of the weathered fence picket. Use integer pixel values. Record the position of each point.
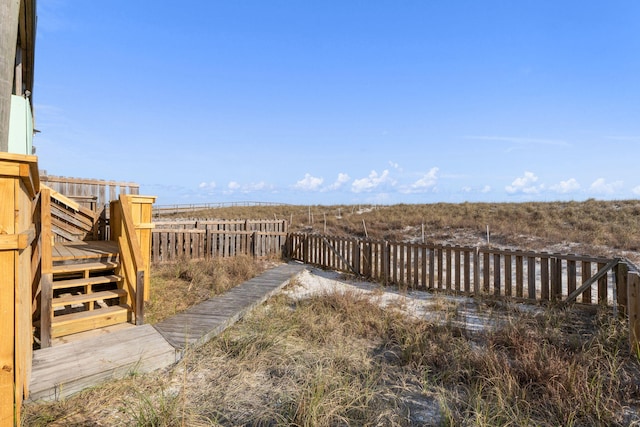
(526, 276)
(217, 238)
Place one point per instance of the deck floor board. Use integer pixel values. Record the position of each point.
(67, 368)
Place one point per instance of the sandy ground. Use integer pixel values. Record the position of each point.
(461, 311)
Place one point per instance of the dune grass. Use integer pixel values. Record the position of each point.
(532, 225)
(340, 359)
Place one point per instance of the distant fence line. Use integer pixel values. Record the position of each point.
(160, 210)
(201, 239)
(534, 277)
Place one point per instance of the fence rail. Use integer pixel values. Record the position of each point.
(530, 276)
(93, 194)
(216, 238)
(182, 208)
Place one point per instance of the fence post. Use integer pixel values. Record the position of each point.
(622, 274)
(305, 249)
(633, 310)
(385, 262)
(476, 271)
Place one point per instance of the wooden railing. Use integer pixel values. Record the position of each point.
(69, 220)
(45, 297)
(95, 193)
(530, 276)
(134, 247)
(218, 238)
(19, 271)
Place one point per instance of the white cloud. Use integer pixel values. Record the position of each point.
(466, 189)
(342, 179)
(235, 187)
(486, 189)
(371, 182)
(601, 186)
(309, 183)
(395, 165)
(636, 190)
(426, 183)
(568, 186)
(525, 184)
(209, 185)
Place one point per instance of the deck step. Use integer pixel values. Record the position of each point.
(87, 266)
(97, 280)
(86, 320)
(82, 298)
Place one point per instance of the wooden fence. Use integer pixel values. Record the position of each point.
(217, 238)
(93, 194)
(530, 276)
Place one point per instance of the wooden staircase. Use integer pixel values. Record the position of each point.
(87, 292)
(90, 284)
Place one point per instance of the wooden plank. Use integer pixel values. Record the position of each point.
(402, 248)
(497, 276)
(622, 274)
(633, 309)
(87, 320)
(200, 323)
(544, 278)
(448, 268)
(432, 268)
(602, 286)
(508, 276)
(7, 299)
(486, 272)
(416, 266)
(66, 369)
(531, 279)
(571, 276)
(586, 275)
(467, 272)
(456, 265)
(519, 276)
(603, 269)
(440, 268)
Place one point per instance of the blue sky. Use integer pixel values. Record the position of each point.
(349, 101)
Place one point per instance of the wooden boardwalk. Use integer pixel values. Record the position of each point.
(206, 320)
(65, 369)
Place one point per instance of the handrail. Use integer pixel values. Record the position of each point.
(71, 221)
(132, 264)
(46, 263)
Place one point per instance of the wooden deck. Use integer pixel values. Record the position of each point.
(64, 369)
(82, 250)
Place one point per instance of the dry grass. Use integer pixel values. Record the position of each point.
(181, 284)
(596, 227)
(338, 359)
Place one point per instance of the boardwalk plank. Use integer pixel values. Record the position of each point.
(60, 371)
(202, 322)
